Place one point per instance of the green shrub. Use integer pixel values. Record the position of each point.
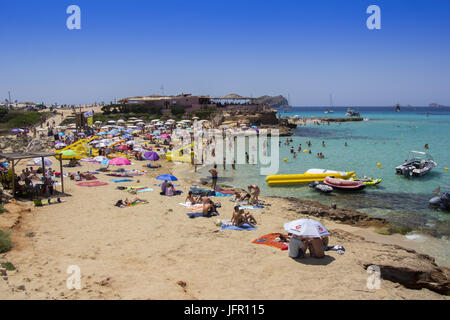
(5, 242)
(8, 266)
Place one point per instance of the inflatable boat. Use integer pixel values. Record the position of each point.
(320, 186)
(309, 176)
(442, 200)
(344, 184)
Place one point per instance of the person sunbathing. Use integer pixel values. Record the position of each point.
(209, 208)
(237, 197)
(87, 176)
(134, 201)
(250, 219)
(241, 218)
(193, 200)
(126, 202)
(73, 163)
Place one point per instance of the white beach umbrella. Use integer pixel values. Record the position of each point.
(38, 161)
(306, 228)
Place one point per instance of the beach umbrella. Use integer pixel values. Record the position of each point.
(167, 177)
(69, 153)
(119, 162)
(165, 135)
(61, 134)
(38, 161)
(100, 145)
(123, 147)
(16, 130)
(306, 228)
(101, 159)
(101, 133)
(151, 155)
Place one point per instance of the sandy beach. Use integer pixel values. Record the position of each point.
(154, 251)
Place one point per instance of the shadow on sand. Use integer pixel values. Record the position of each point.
(315, 261)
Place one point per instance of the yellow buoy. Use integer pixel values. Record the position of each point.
(446, 169)
(284, 159)
(306, 150)
(378, 164)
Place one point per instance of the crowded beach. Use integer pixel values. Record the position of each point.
(123, 201)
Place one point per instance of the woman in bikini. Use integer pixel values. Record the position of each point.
(190, 198)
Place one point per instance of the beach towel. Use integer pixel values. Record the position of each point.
(269, 240)
(120, 175)
(120, 180)
(143, 190)
(188, 204)
(220, 194)
(200, 214)
(245, 226)
(92, 184)
(250, 207)
(225, 191)
(134, 204)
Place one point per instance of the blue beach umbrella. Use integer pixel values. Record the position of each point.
(167, 177)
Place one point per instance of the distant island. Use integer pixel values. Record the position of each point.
(435, 105)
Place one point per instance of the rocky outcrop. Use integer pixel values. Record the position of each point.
(276, 101)
(409, 268)
(264, 120)
(346, 216)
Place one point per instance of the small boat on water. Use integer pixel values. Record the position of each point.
(352, 113)
(320, 186)
(397, 108)
(418, 164)
(344, 184)
(442, 199)
(309, 176)
(367, 180)
(329, 111)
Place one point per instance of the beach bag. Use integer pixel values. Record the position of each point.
(316, 248)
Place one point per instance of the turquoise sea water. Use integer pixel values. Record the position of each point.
(385, 137)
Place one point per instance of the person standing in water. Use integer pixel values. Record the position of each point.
(214, 174)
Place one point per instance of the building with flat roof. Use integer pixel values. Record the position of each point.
(197, 102)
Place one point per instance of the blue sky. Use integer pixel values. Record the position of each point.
(308, 49)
